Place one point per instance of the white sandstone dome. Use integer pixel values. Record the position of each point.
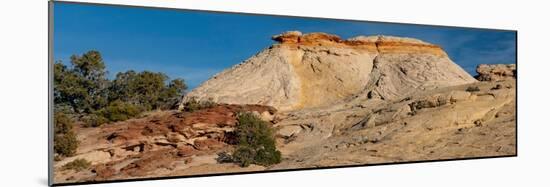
(319, 69)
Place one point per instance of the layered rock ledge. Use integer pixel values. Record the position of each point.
(380, 43)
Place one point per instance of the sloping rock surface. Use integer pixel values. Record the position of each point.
(443, 123)
(319, 69)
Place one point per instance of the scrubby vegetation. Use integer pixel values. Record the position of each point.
(256, 143)
(83, 91)
(93, 120)
(65, 142)
(62, 123)
(146, 89)
(119, 111)
(77, 165)
(193, 104)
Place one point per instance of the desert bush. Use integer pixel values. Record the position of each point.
(256, 143)
(472, 89)
(77, 165)
(65, 109)
(94, 120)
(193, 104)
(147, 89)
(119, 111)
(65, 144)
(62, 123)
(171, 95)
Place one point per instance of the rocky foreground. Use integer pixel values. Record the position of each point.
(333, 102)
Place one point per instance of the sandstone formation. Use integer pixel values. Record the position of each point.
(496, 72)
(444, 123)
(159, 144)
(332, 102)
(319, 69)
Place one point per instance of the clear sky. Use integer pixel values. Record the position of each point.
(196, 45)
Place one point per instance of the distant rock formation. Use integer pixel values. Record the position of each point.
(496, 72)
(319, 69)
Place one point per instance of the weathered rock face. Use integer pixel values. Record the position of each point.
(319, 69)
(496, 72)
(443, 123)
(160, 142)
(365, 100)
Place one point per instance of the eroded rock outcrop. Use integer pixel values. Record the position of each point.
(364, 100)
(496, 72)
(319, 69)
(162, 141)
(443, 123)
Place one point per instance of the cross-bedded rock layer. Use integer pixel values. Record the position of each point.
(319, 69)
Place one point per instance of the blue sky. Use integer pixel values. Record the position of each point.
(196, 45)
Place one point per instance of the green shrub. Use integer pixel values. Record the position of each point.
(62, 123)
(256, 143)
(65, 144)
(194, 105)
(119, 111)
(94, 120)
(77, 165)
